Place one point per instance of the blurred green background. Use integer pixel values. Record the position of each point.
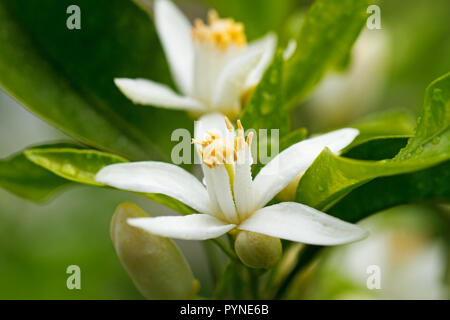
(389, 68)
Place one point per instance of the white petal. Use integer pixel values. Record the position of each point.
(232, 80)
(268, 44)
(191, 227)
(243, 190)
(297, 222)
(174, 31)
(209, 182)
(157, 177)
(221, 183)
(142, 91)
(297, 158)
(209, 62)
(214, 122)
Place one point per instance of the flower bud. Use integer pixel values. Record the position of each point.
(257, 250)
(154, 263)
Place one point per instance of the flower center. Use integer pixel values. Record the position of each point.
(220, 32)
(216, 150)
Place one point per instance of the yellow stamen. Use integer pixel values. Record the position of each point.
(229, 125)
(250, 138)
(202, 143)
(213, 17)
(220, 32)
(213, 135)
(216, 150)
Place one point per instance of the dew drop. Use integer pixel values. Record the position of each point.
(437, 94)
(419, 150)
(69, 169)
(321, 188)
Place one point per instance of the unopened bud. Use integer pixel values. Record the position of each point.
(257, 250)
(154, 263)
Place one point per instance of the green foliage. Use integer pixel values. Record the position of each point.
(265, 109)
(326, 37)
(377, 149)
(81, 165)
(20, 176)
(258, 16)
(66, 76)
(73, 164)
(292, 138)
(393, 123)
(420, 169)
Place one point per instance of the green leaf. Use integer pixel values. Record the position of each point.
(73, 164)
(383, 193)
(292, 138)
(264, 110)
(325, 39)
(66, 76)
(377, 149)
(259, 17)
(393, 123)
(331, 178)
(25, 179)
(81, 165)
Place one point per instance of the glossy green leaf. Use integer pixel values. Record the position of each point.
(326, 36)
(73, 164)
(258, 16)
(377, 149)
(264, 110)
(66, 76)
(382, 125)
(81, 165)
(292, 138)
(331, 177)
(431, 184)
(25, 179)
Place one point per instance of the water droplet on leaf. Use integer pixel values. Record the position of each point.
(419, 150)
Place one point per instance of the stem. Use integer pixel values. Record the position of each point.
(237, 283)
(226, 249)
(254, 284)
(304, 259)
(224, 280)
(213, 265)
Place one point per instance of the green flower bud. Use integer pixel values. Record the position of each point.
(257, 250)
(154, 263)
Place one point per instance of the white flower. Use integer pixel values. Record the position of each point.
(229, 198)
(212, 65)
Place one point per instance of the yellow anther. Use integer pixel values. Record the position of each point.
(229, 125)
(239, 124)
(213, 135)
(250, 138)
(202, 143)
(209, 162)
(198, 23)
(213, 17)
(220, 32)
(216, 150)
